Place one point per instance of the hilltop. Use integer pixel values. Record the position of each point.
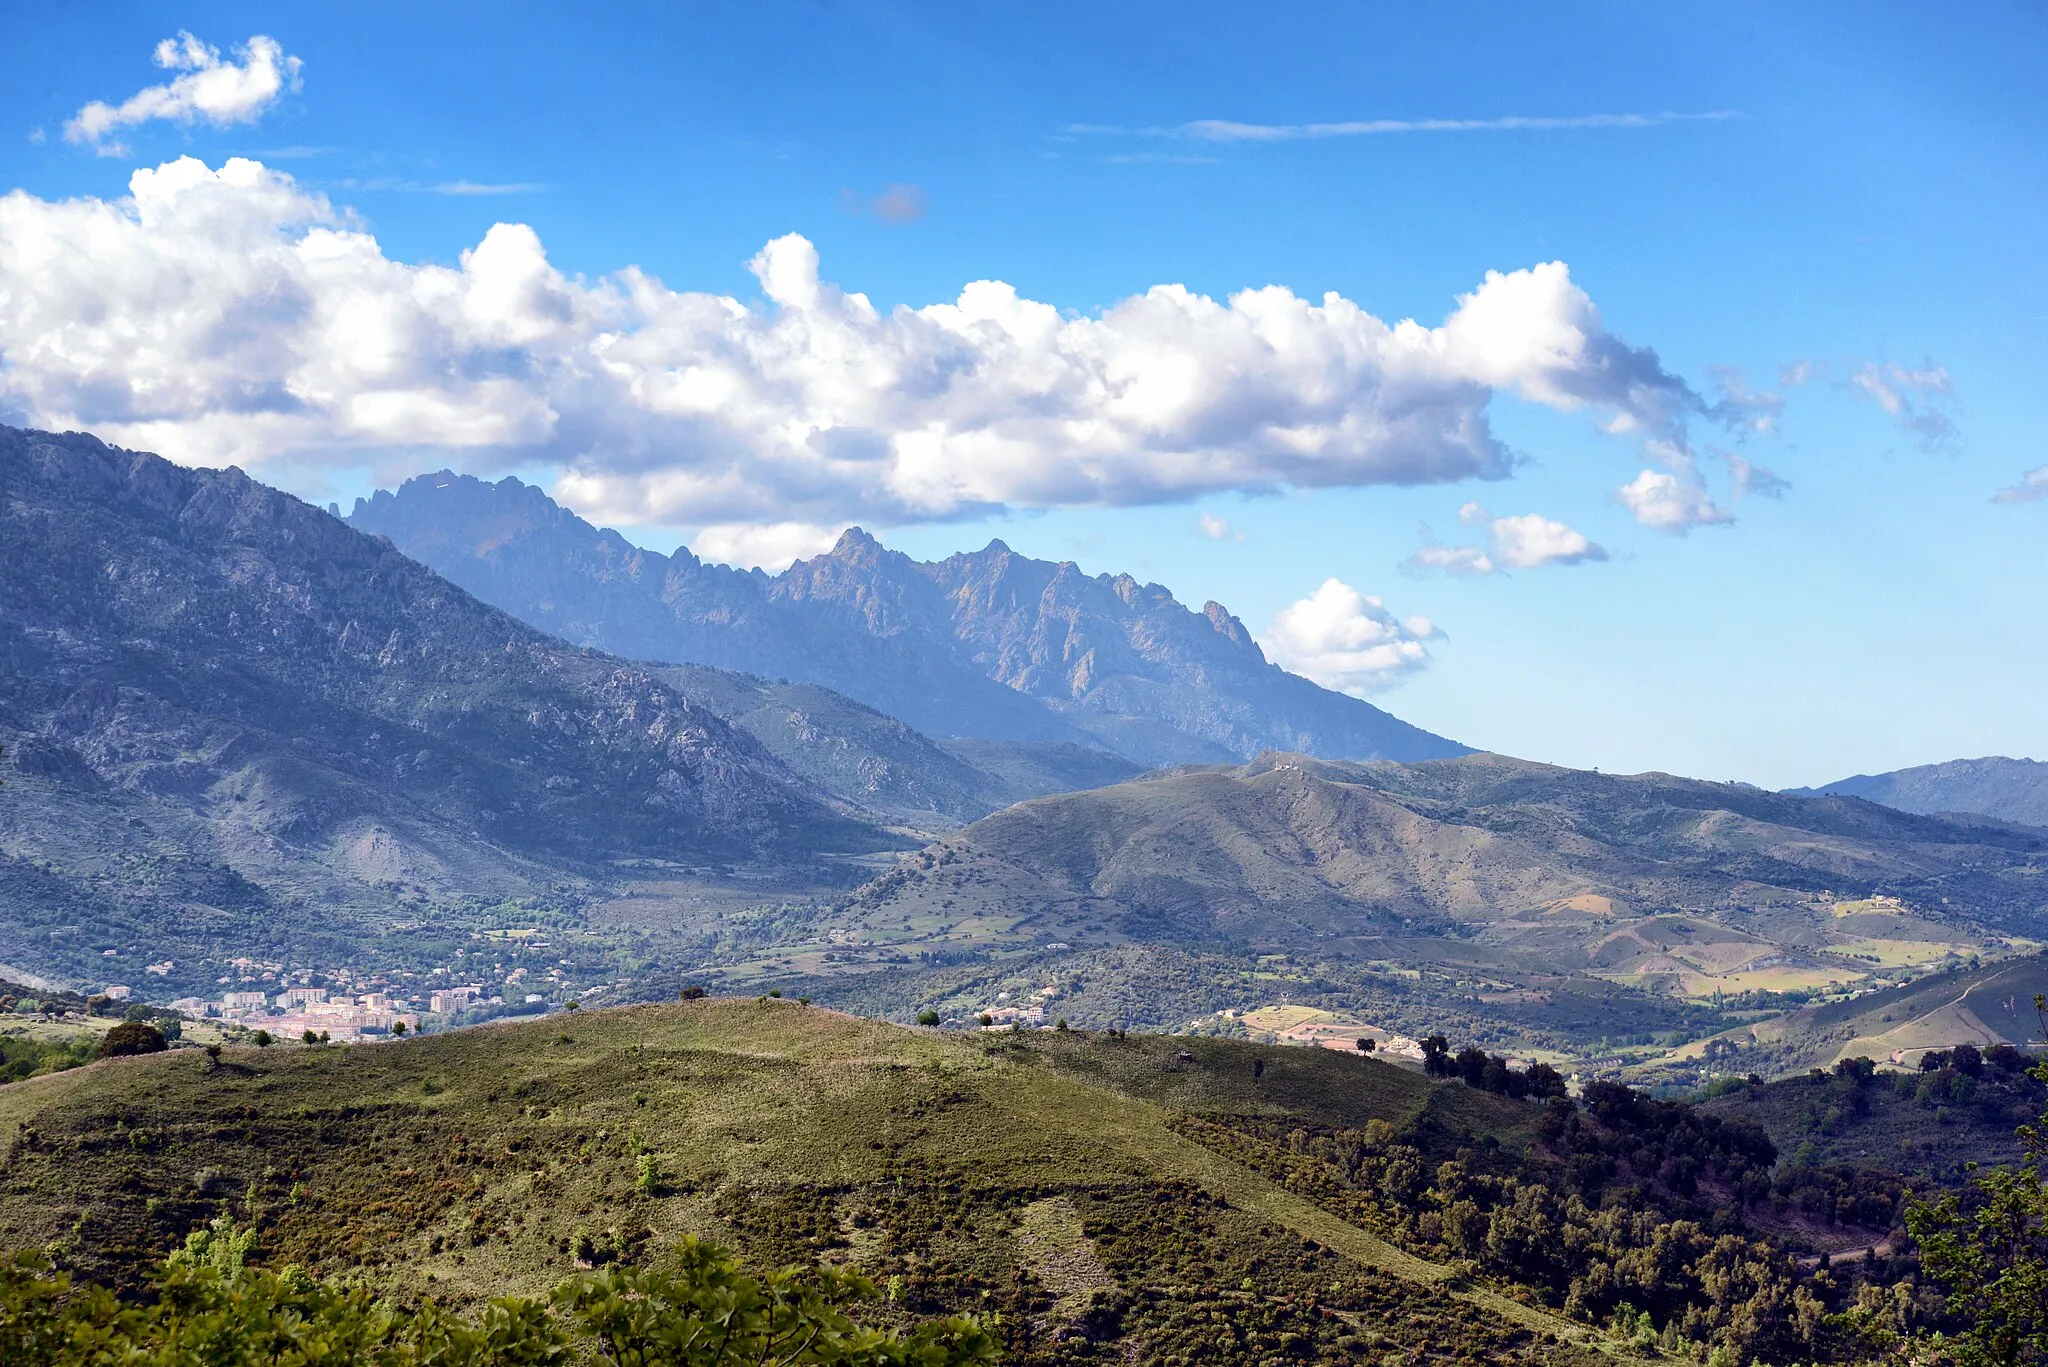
(469, 1163)
(1103, 1196)
(987, 645)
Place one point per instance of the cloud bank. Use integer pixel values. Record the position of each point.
(221, 92)
(1347, 640)
(231, 316)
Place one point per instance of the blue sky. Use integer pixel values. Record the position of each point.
(1862, 219)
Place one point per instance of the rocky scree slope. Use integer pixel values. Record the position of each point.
(988, 644)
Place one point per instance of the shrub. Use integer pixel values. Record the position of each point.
(691, 994)
(927, 1017)
(132, 1037)
(261, 1039)
(210, 1306)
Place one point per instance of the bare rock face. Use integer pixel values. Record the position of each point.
(988, 645)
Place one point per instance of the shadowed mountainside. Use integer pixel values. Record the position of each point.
(989, 645)
(228, 713)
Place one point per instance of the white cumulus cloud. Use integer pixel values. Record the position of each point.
(1521, 542)
(1673, 501)
(1525, 541)
(230, 315)
(219, 91)
(1347, 640)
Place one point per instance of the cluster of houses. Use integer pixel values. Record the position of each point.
(339, 1018)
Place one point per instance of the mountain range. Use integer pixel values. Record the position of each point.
(243, 736)
(989, 645)
(2009, 789)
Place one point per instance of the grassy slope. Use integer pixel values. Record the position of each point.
(466, 1160)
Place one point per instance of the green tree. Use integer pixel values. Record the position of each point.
(1992, 1256)
(1436, 1057)
(927, 1017)
(132, 1037)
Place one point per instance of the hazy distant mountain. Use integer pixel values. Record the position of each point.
(231, 718)
(2009, 789)
(888, 768)
(988, 645)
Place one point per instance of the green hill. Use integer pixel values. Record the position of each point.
(1098, 1197)
(977, 1174)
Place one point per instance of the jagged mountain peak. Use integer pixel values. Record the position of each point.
(986, 644)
